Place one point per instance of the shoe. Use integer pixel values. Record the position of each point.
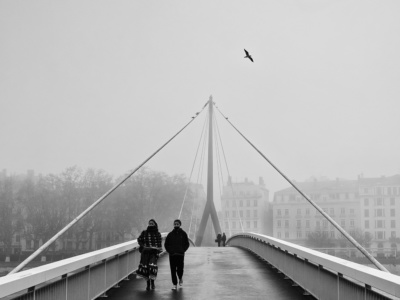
(148, 285)
(174, 288)
(180, 282)
(152, 284)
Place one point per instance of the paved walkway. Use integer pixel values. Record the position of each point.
(214, 273)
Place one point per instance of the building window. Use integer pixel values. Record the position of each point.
(317, 224)
(299, 234)
(286, 212)
(226, 225)
(241, 213)
(324, 223)
(393, 224)
(234, 203)
(366, 213)
(365, 191)
(255, 213)
(248, 203)
(298, 223)
(278, 212)
(352, 211)
(227, 203)
(379, 202)
(367, 224)
(380, 235)
(366, 202)
(247, 214)
(380, 224)
(343, 223)
(279, 224)
(332, 234)
(234, 214)
(279, 235)
(342, 210)
(241, 203)
(227, 214)
(255, 224)
(393, 234)
(392, 212)
(286, 235)
(286, 223)
(299, 211)
(248, 224)
(233, 225)
(392, 201)
(255, 202)
(332, 212)
(307, 233)
(379, 212)
(307, 223)
(307, 211)
(378, 191)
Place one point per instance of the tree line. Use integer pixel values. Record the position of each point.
(35, 208)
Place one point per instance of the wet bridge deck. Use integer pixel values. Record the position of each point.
(214, 273)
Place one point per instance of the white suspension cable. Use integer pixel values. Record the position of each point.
(191, 172)
(229, 176)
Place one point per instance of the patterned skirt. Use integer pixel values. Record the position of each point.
(148, 264)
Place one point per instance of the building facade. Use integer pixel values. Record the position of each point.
(368, 206)
(380, 209)
(245, 207)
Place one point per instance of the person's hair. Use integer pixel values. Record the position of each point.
(152, 220)
(178, 221)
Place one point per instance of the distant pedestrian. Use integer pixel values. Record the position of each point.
(176, 244)
(150, 247)
(218, 240)
(223, 239)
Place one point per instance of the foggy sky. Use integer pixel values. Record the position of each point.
(103, 84)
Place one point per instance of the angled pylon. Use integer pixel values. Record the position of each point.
(209, 209)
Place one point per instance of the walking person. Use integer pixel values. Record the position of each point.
(218, 240)
(223, 239)
(176, 244)
(150, 247)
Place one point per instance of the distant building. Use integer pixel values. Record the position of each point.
(380, 209)
(295, 218)
(246, 208)
(369, 205)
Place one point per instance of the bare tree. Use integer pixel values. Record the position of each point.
(10, 213)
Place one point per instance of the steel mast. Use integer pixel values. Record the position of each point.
(209, 209)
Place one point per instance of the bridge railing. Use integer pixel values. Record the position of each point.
(319, 274)
(82, 277)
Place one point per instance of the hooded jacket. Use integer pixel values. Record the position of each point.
(177, 242)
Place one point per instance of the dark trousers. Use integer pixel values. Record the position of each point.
(176, 263)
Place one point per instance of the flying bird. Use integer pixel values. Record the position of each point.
(248, 55)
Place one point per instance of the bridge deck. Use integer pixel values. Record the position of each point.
(213, 273)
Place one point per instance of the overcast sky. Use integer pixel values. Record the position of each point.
(103, 84)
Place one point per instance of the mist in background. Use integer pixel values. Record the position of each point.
(101, 84)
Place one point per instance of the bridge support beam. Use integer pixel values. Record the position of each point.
(209, 209)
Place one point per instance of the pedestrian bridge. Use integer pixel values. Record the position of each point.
(254, 266)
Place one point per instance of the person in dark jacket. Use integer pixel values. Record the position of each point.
(150, 247)
(223, 239)
(176, 244)
(218, 240)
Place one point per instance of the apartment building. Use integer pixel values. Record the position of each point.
(380, 209)
(246, 208)
(367, 205)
